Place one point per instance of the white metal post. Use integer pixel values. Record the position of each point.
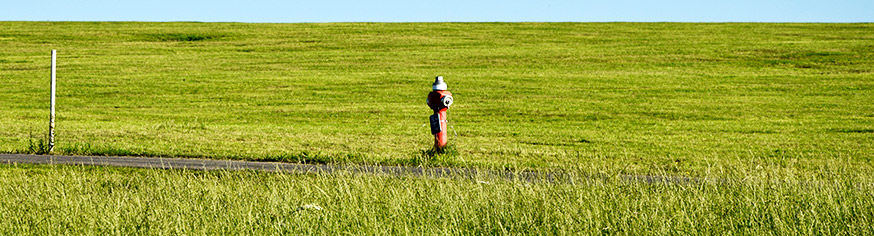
(52, 114)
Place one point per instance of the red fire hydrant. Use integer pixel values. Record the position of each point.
(439, 100)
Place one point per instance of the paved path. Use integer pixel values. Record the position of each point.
(207, 164)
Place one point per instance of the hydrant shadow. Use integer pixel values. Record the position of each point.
(436, 156)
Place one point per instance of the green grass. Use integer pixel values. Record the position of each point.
(639, 96)
(777, 118)
(64, 200)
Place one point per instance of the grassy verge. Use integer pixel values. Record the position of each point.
(61, 200)
(642, 95)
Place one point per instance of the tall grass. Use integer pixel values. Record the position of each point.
(55, 200)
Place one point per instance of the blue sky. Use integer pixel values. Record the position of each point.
(430, 11)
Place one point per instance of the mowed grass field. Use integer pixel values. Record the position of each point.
(527, 94)
(775, 122)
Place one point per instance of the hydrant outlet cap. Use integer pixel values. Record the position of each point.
(438, 84)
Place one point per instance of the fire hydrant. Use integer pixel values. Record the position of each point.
(439, 100)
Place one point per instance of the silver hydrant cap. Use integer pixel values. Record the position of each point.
(438, 84)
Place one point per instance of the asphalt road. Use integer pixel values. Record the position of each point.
(208, 164)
